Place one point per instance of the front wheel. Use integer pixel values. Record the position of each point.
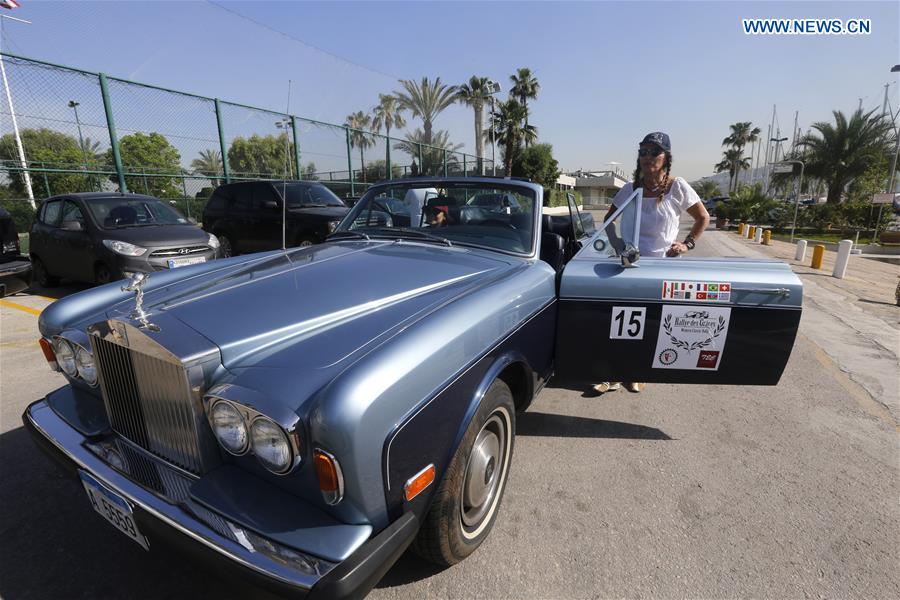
(465, 506)
(41, 275)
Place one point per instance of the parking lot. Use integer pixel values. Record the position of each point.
(680, 491)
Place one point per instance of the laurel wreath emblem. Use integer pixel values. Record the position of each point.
(690, 347)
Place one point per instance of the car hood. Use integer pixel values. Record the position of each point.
(156, 236)
(317, 309)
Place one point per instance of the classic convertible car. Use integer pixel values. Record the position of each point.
(303, 416)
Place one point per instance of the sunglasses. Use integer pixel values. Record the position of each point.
(654, 152)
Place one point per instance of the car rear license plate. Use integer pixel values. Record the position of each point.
(113, 508)
(183, 262)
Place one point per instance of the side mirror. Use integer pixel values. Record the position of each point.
(270, 204)
(630, 255)
(72, 226)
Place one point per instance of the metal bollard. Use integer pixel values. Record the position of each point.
(818, 256)
(767, 237)
(843, 257)
(741, 229)
(800, 255)
(751, 232)
(758, 235)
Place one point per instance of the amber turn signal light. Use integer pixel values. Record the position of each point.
(331, 480)
(49, 354)
(418, 482)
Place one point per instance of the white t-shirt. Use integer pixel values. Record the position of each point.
(659, 220)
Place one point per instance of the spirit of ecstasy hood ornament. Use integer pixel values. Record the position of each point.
(136, 284)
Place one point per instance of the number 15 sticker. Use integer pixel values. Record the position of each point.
(627, 323)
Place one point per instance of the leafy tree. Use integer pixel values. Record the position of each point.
(308, 172)
(525, 86)
(358, 123)
(45, 148)
(537, 164)
(474, 93)
(511, 131)
(732, 162)
(149, 153)
(706, 188)
(433, 154)
(426, 100)
(261, 156)
(209, 164)
(842, 151)
(742, 133)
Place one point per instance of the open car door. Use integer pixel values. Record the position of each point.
(672, 320)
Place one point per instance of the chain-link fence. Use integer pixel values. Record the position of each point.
(70, 131)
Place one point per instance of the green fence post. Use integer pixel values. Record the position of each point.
(445, 162)
(113, 138)
(465, 169)
(47, 184)
(421, 164)
(350, 163)
(187, 200)
(296, 147)
(225, 168)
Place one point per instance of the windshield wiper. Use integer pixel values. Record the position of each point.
(415, 232)
(350, 233)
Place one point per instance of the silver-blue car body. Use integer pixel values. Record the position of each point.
(304, 416)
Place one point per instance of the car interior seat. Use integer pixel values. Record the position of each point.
(120, 215)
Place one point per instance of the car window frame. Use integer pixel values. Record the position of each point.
(71, 201)
(46, 206)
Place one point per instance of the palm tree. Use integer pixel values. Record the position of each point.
(91, 149)
(841, 151)
(209, 164)
(742, 133)
(358, 123)
(732, 162)
(510, 130)
(388, 114)
(474, 94)
(525, 86)
(426, 100)
(706, 188)
(432, 154)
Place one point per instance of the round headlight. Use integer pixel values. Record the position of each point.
(65, 357)
(270, 445)
(229, 427)
(84, 364)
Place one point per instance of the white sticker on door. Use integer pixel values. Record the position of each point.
(627, 323)
(691, 337)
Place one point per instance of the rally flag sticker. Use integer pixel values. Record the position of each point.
(698, 291)
(691, 337)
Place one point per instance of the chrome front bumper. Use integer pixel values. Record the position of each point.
(263, 561)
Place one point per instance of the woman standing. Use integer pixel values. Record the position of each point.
(665, 199)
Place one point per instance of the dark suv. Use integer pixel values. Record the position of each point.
(246, 216)
(100, 237)
(15, 269)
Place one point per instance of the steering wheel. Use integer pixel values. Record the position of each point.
(495, 222)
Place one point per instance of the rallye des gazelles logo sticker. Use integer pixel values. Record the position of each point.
(691, 337)
(697, 291)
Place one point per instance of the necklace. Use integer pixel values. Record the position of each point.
(660, 186)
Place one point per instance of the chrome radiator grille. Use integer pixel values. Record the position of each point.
(149, 401)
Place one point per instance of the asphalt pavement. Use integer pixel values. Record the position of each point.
(679, 491)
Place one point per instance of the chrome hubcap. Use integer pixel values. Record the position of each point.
(483, 473)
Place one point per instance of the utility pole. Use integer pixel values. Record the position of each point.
(21, 150)
(794, 135)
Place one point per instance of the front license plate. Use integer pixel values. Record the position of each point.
(183, 262)
(113, 508)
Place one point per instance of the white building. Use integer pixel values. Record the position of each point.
(597, 187)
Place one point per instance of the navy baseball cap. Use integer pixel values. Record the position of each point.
(660, 139)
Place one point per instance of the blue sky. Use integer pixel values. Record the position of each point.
(610, 72)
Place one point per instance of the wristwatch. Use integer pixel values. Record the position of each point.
(689, 242)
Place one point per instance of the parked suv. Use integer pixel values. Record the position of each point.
(100, 237)
(15, 269)
(246, 216)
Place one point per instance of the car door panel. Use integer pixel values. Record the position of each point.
(708, 320)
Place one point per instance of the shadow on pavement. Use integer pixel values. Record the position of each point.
(56, 292)
(408, 569)
(548, 425)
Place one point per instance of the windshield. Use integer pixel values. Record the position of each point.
(118, 212)
(449, 213)
(305, 195)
